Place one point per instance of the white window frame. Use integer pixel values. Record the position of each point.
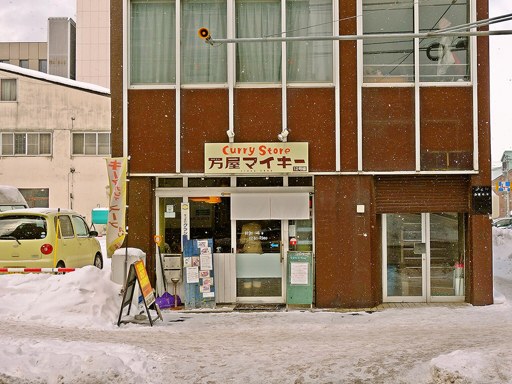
(96, 143)
(15, 93)
(14, 154)
(416, 84)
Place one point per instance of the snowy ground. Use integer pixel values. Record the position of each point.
(62, 329)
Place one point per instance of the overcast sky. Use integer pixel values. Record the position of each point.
(27, 20)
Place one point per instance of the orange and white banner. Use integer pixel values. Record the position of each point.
(116, 225)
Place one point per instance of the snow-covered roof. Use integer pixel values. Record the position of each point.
(53, 79)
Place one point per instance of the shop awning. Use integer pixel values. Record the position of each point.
(260, 206)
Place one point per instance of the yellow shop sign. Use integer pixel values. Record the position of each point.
(255, 158)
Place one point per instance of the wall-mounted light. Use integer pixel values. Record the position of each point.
(283, 136)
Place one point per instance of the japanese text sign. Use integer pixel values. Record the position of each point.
(255, 158)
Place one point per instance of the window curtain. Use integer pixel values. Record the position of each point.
(309, 61)
(153, 42)
(258, 62)
(8, 89)
(201, 62)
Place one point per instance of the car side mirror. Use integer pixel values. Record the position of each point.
(93, 233)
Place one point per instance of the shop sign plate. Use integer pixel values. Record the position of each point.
(255, 158)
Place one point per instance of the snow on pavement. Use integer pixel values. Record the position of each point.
(62, 329)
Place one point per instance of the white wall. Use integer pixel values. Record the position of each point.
(45, 106)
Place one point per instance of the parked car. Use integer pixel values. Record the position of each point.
(47, 238)
(505, 222)
(11, 198)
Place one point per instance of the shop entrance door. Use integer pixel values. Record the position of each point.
(423, 257)
(260, 261)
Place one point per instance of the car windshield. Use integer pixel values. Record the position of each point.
(22, 227)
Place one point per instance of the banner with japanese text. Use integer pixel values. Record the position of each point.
(116, 225)
(255, 158)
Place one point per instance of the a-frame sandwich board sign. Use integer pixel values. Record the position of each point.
(138, 274)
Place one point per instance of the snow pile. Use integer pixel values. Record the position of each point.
(71, 362)
(84, 298)
(461, 367)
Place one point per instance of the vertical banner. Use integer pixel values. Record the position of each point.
(116, 225)
(185, 222)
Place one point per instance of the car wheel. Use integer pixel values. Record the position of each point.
(60, 264)
(98, 261)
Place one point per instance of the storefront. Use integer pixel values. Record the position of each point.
(379, 170)
(253, 224)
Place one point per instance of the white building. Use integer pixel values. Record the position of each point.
(54, 138)
(93, 42)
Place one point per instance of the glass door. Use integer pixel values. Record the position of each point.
(423, 257)
(259, 261)
(405, 255)
(446, 251)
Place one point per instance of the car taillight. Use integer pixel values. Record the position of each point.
(46, 249)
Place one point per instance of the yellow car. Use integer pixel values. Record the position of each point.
(47, 238)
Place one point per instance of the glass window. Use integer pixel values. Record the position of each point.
(8, 90)
(23, 227)
(170, 182)
(32, 144)
(20, 142)
(93, 144)
(309, 61)
(445, 58)
(259, 181)
(45, 144)
(43, 66)
(7, 144)
(24, 64)
(64, 223)
(258, 62)
(388, 60)
(36, 197)
(202, 63)
(81, 228)
(89, 143)
(153, 42)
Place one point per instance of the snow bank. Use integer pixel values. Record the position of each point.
(85, 298)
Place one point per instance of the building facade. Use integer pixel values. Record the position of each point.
(370, 154)
(93, 42)
(54, 138)
(501, 185)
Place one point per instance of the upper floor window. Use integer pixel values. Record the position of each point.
(26, 144)
(202, 63)
(441, 59)
(24, 64)
(445, 58)
(43, 66)
(93, 144)
(153, 42)
(307, 61)
(7, 89)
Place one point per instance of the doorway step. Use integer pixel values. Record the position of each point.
(259, 307)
